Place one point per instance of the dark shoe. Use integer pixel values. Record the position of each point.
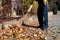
(45, 27)
(40, 27)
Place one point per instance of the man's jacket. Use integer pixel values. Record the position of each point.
(40, 2)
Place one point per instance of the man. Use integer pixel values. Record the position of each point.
(40, 13)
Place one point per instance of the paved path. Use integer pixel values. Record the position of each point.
(54, 27)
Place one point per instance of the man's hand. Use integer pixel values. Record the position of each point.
(45, 1)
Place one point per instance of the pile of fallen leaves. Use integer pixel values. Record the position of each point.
(31, 21)
(14, 32)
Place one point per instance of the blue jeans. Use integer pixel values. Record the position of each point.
(45, 15)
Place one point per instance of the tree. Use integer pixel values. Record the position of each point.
(49, 0)
(58, 4)
(54, 9)
(35, 5)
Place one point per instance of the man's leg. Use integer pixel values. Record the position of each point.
(40, 17)
(45, 24)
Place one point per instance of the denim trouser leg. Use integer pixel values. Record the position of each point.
(45, 22)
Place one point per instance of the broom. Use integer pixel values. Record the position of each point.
(25, 16)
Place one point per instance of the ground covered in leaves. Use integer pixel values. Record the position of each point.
(15, 32)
